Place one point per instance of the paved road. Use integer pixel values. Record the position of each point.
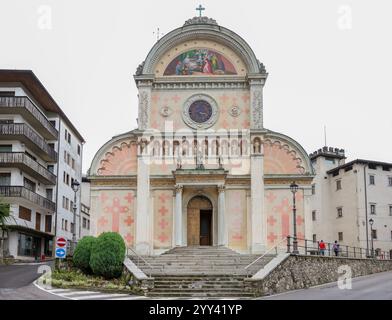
(16, 283)
(373, 287)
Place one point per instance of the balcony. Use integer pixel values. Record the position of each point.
(24, 133)
(24, 106)
(25, 163)
(24, 193)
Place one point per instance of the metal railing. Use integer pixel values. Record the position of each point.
(28, 132)
(274, 248)
(310, 247)
(27, 104)
(22, 192)
(22, 158)
(139, 257)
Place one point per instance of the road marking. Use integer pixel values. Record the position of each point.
(58, 290)
(78, 293)
(101, 296)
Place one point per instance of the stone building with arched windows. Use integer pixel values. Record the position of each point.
(200, 169)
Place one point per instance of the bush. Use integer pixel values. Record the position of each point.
(107, 255)
(81, 257)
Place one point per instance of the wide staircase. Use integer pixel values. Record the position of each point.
(200, 271)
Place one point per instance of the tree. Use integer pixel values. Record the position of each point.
(5, 217)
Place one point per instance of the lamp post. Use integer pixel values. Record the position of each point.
(294, 189)
(371, 221)
(75, 187)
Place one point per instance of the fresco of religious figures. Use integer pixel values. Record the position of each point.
(200, 62)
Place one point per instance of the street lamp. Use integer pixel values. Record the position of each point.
(294, 189)
(75, 187)
(371, 221)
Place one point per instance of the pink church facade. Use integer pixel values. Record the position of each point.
(201, 169)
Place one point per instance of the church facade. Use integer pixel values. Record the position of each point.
(200, 169)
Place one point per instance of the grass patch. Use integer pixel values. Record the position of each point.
(76, 279)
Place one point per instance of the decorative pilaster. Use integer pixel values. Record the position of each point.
(178, 216)
(256, 103)
(258, 216)
(222, 229)
(144, 105)
(143, 215)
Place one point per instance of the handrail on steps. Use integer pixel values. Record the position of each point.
(265, 253)
(144, 260)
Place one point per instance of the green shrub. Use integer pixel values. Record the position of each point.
(81, 257)
(107, 255)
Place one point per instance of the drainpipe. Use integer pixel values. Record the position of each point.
(366, 210)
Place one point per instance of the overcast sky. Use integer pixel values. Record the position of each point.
(329, 62)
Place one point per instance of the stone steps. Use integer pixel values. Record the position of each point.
(200, 272)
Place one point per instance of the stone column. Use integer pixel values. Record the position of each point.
(178, 216)
(258, 216)
(144, 105)
(143, 215)
(222, 229)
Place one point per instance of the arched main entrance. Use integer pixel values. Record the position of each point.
(199, 222)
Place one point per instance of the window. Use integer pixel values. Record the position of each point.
(64, 177)
(390, 209)
(66, 134)
(28, 245)
(88, 224)
(28, 184)
(72, 181)
(65, 156)
(62, 224)
(372, 180)
(6, 148)
(48, 223)
(314, 215)
(71, 207)
(340, 236)
(49, 194)
(84, 223)
(51, 168)
(79, 149)
(67, 179)
(72, 227)
(69, 138)
(390, 181)
(314, 237)
(313, 189)
(63, 202)
(37, 221)
(373, 208)
(68, 159)
(73, 163)
(338, 184)
(340, 212)
(51, 145)
(374, 233)
(24, 213)
(5, 179)
(66, 225)
(67, 203)
(53, 123)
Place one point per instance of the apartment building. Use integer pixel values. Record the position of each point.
(40, 156)
(352, 201)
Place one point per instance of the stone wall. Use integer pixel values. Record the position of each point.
(299, 272)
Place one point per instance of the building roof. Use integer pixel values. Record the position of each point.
(360, 161)
(30, 81)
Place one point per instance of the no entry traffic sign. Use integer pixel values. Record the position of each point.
(61, 242)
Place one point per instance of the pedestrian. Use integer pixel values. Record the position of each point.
(322, 247)
(335, 248)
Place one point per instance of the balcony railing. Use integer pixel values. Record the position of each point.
(22, 129)
(23, 160)
(22, 192)
(25, 104)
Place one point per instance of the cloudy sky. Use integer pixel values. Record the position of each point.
(329, 62)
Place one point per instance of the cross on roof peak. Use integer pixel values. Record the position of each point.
(200, 8)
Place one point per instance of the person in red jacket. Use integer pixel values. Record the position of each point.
(322, 247)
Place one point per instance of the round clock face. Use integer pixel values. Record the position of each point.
(200, 111)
